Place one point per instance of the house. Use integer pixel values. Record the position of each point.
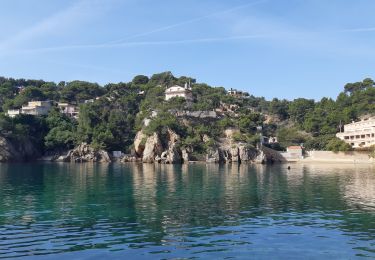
(68, 109)
(36, 108)
(237, 93)
(13, 112)
(178, 91)
(359, 134)
(88, 101)
(269, 140)
(293, 153)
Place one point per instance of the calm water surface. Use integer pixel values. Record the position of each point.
(96, 211)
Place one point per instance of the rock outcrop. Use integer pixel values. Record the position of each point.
(85, 153)
(213, 156)
(7, 151)
(139, 143)
(166, 149)
(238, 153)
(153, 148)
(17, 152)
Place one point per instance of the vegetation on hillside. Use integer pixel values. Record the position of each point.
(119, 111)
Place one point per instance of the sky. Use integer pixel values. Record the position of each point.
(271, 48)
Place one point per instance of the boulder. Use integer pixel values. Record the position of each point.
(128, 158)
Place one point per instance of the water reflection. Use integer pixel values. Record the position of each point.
(186, 211)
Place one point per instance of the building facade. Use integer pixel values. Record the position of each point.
(359, 134)
(68, 109)
(237, 93)
(35, 108)
(178, 91)
(13, 112)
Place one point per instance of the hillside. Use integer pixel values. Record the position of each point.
(118, 112)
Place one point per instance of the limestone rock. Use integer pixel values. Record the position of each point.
(261, 158)
(153, 148)
(185, 155)
(235, 151)
(128, 158)
(246, 154)
(139, 145)
(213, 156)
(85, 153)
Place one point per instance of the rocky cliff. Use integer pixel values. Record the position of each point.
(152, 148)
(167, 149)
(11, 151)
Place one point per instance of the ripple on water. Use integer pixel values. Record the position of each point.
(169, 212)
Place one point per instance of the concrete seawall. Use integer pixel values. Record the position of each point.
(339, 157)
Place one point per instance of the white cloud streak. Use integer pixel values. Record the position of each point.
(150, 43)
(56, 23)
(194, 20)
(269, 29)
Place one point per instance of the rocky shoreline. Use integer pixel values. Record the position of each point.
(167, 149)
(147, 149)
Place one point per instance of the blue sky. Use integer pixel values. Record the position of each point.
(271, 48)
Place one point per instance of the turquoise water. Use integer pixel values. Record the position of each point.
(96, 211)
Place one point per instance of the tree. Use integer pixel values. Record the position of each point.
(299, 108)
(338, 145)
(291, 136)
(279, 108)
(140, 80)
(79, 91)
(359, 86)
(62, 131)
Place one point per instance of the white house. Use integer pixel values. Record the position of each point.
(359, 134)
(13, 112)
(178, 91)
(36, 108)
(237, 93)
(68, 109)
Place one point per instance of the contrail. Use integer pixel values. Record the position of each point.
(365, 29)
(148, 43)
(165, 28)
